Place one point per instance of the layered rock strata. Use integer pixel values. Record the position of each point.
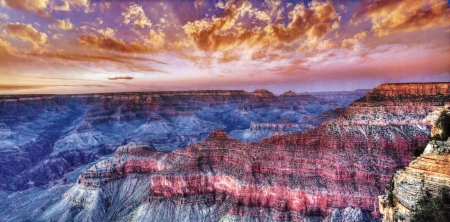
(345, 162)
(43, 136)
(424, 176)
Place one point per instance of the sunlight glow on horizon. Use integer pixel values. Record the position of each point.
(62, 46)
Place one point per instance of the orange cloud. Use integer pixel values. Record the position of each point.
(4, 45)
(208, 34)
(404, 15)
(103, 42)
(62, 24)
(223, 32)
(293, 68)
(136, 15)
(7, 50)
(350, 43)
(34, 6)
(5, 87)
(258, 55)
(107, 32)
(313, 22)
(64, 7)
(107, 61)
(121, 77)
(68, 4)
(229, 56)
(26, 33)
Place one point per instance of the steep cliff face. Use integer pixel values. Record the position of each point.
(336, 170)
(424, 176)
(41, 137)
(284, 125)
(411, 89)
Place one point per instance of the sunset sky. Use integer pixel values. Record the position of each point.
(82, 46)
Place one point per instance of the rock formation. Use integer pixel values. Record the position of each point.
(334, 171)
(423, 176)
(43, 136)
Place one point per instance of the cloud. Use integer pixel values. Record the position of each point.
(107, 32)
(229, 56)
(114, 58)
(62, 24)
(33, 6)
(258, 55)
(121, 77)
(26, 33)
(69, 4)
(352, 42)
(107, 61)
(157, 39)
(405, 15)
(7, 51)
(313, 22)
(220, 32)
(80, 2)
(223, 32)
(64, 7)
(322, 45)
(136, 15)
(103, 42)
(8, 87)
(4, 16)
(294, 67)
(198, 3)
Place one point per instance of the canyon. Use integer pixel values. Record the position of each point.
(333, 170)
(42, 137)
(425, 176)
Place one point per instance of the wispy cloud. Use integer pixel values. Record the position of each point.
(121, 77)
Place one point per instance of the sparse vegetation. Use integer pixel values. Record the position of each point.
(433, 208)
(417, 151)
(390, 194)
(443, 123)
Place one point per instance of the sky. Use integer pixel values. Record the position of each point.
(92, 46)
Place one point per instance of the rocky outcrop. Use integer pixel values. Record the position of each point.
(334, 171)
(412, 89)
(257, 131)
(424, 176)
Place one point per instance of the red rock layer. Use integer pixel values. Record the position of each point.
(344, 162)
(414, 89)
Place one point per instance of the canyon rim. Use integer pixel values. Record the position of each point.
(224, 110)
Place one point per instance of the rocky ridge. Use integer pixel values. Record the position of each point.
(44, 136)
(320, 174)
(423, 176)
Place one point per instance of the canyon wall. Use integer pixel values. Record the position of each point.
(330, 172)
(424, 176)
(42, 137)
